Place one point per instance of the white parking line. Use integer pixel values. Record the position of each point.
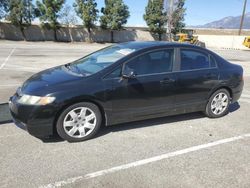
(144, 161)
(7, 58)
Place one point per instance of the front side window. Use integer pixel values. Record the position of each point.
(117, 73)
(159, 61)
(191, 60)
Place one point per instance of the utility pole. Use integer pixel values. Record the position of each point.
(169, 4)
(243, 16)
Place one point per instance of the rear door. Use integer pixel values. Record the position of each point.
(197, 75)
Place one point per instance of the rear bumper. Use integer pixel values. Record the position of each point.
(37, 120)
(237, 91)
(236, 96)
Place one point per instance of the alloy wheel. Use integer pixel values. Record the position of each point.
(219, 103)
(79, 122)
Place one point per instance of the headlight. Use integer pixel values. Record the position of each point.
(35, 100)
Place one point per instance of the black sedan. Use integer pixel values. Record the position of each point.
(123, 83)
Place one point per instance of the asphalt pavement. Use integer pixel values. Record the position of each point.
(188, 150)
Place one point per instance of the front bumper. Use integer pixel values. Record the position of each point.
(37, 120)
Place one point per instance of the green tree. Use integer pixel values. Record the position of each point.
(21, 14)
(48, 12)
(115, 15)
(155, 17)
(4, 5)
(87, 11)
(178, 17)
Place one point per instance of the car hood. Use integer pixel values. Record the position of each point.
(49, 78)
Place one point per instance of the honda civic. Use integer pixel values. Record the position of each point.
(123, 83)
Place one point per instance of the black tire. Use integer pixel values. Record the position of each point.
(209, 111)
(60, 128)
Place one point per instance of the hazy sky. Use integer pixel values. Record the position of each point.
(198, 12)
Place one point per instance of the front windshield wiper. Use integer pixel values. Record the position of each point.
(73, 68)
(68, 66)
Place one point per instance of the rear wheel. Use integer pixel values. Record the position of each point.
(218, 104)
(79, 122)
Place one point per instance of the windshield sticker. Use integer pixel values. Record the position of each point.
(126, 51)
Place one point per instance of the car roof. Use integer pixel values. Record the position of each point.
(149, 44)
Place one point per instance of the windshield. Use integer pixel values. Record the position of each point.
(101, 59)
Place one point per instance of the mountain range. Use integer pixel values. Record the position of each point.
(231, 22)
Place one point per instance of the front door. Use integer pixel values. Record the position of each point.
(151, 93)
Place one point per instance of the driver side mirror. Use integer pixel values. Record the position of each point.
(128, 73)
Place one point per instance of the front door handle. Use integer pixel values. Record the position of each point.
(167, 81)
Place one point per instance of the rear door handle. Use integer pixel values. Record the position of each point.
(167, 81)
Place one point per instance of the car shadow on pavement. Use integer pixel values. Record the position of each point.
(234, 107)
(158, 121)
(5, 122)
(150, 123)
(5, 116)
(52, 139)
(145, 123)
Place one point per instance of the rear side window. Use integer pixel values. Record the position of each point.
(159, 61)
(191, 60)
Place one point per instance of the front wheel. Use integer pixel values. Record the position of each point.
(79, 122)
(218, 104)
